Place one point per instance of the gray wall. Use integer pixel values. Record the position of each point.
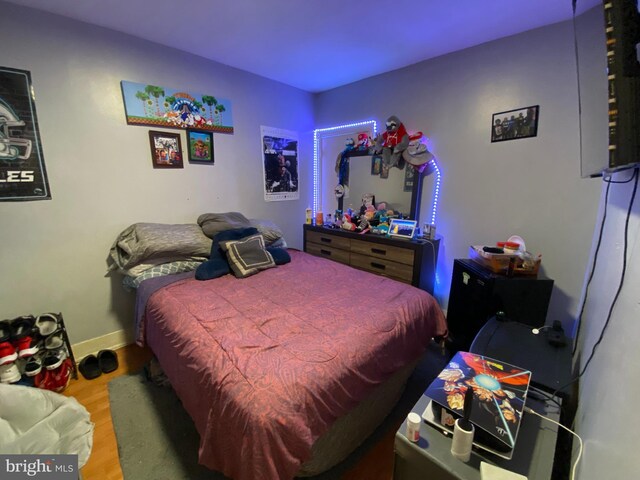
(609, 389)
(528, 187)
(607, 418)
(53, 252)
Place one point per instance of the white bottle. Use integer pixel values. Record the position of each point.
(309, 217)
(413, 427)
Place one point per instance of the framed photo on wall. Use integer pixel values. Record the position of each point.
(200, 146)
(515, 124)
(166, 149)
(376, 164)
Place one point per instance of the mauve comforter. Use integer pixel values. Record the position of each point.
(264, 365)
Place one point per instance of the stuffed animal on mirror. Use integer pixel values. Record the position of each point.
(392, 142)
(364, 142)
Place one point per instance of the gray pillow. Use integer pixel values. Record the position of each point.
(247, 256)
(213, 223)
(269, 230)
(155, 243)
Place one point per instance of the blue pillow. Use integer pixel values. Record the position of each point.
(280, 255)
(217, 265)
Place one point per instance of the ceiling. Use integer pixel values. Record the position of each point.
(316, 45)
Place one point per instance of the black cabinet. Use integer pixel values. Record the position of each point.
(477, 294)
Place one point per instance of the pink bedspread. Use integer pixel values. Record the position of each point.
(264, 365)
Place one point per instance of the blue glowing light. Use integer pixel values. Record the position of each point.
(316, 160)
(317, 176)
(488, 382)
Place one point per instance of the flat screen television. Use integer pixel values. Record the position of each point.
(607, 38)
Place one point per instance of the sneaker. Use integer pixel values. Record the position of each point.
(33, 366)
(54, 358)
(7, 351)
(47, 323)
(27, 346)
(21, 336)
(9, 373)
(55, 380)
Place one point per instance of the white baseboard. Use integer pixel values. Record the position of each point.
(110, 341)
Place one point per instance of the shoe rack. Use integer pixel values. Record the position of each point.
(67, 343)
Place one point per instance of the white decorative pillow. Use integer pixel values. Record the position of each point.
(247, 256)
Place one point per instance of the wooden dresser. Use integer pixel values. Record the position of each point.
(409, 261)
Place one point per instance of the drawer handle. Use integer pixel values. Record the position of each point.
(325, 252)
(378, 265)
(379, 251)
(325, 240)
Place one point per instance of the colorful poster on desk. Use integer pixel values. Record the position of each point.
(500, 392)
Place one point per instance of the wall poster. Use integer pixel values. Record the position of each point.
(156, 106)
(23, 175)
(280, 164)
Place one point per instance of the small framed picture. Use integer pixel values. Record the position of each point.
(200, 146)
(166, 149)
(376, 164)
(515, 124)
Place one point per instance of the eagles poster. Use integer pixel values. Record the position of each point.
(22, 171)
(280, 164)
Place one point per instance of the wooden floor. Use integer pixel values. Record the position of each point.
(104, 463)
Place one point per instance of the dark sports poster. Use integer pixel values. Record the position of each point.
(23, 175)
(280, 164)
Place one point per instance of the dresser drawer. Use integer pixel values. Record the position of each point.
(331, 253)
(397, 271)
(386, 252)
(328, 240)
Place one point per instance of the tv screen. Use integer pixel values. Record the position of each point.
(607, 39)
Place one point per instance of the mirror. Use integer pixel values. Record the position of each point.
(399, 192)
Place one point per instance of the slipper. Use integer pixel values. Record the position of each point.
(90, 367)
(47, 323)
(54, 341)
(108, 360)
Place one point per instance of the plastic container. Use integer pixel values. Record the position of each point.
(499, 262)
(309, 215)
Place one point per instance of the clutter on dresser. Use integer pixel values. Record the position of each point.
(35, 351)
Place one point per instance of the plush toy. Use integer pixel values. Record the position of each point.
(392, 142)
(349, 144)
(370, 212)
(346, 223)
(364, 142)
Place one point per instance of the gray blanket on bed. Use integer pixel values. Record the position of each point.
(143, 245)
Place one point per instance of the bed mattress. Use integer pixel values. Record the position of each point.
(266, 364)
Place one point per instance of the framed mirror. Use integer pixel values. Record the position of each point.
(401, 190)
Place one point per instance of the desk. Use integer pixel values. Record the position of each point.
(514, 343)
(431, 457)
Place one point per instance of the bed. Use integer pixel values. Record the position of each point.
(285, 372)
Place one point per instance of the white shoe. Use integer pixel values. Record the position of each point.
(9, 373)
